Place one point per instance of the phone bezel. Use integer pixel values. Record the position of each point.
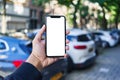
(55, 16)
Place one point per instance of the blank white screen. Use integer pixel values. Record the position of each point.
(55, 36)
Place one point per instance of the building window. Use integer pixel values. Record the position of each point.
(33, 19)
(33, 13)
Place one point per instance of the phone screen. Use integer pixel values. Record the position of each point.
(55, 35)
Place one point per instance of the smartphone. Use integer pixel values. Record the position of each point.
(55, 35)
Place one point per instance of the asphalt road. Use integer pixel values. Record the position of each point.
(106, 67)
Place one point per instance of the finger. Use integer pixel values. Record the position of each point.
(43, 42)
(39, 34)
(67, 31)
(60, 58)
(66, 55)
(67, 41)
(67, 47)
(52, 60)
(56, 59)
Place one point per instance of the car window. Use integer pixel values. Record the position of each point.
(2, 46)
(98, 34)
(84, 37)
(92, 36)
(112, 33)
(72, 38)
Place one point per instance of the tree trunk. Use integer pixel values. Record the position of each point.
(104, 21)
(83, 22)
(74, 14)
(74, 19)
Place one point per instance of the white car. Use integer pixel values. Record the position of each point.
(106, 37)
(81, 48)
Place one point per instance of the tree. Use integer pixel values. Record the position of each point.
(116, 4)
(84, 15)
(113, 6)
(41, 3)
(75, 4)
(104, 5)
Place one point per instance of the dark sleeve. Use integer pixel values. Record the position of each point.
(25, 72)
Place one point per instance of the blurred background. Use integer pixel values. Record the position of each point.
(94, 37)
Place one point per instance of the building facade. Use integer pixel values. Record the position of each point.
(19, 14)
(36, 14)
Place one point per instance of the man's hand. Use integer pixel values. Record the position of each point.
(38, 57)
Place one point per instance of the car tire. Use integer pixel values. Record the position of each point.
(105, 44)
(70, 64)
(97, 52)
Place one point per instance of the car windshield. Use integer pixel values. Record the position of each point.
(92, 36)
(2, 46)
(72, 38)
(84, 38)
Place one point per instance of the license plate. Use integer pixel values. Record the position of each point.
(57, 76)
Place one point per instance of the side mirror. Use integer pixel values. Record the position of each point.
(1, 78)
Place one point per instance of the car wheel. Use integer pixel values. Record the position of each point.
(70, 66)
(105, 44)
(97, 52)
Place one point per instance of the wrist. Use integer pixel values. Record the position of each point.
(35, 62)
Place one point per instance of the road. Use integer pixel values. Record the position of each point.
(106, 67)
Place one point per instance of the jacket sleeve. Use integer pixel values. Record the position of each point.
(25, 72)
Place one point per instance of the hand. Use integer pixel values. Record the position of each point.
(38, 57)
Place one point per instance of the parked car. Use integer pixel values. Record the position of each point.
(32, 34)
(116, 33)
(107, 38)
(13, 52)
(56, 71)
(81, 49)
(98, 43)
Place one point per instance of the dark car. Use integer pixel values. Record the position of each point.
(13, 52)
(55, 71)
